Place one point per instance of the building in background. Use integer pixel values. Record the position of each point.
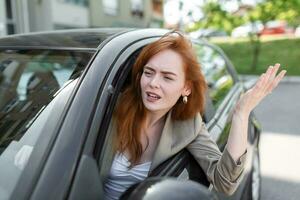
(2, 19)
(41, 15)
(126, 13)
(13, 17)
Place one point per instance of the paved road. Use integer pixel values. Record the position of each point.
(279, 114)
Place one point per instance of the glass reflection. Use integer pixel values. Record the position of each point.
(217, 77)
(28, 81)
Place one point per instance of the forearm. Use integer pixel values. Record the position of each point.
(237, 139)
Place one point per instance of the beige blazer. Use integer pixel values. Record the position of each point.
(221, 170)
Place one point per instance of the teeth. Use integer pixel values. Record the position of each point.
(153, 96)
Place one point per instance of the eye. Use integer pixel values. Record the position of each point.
(168, 78)
(148, 73)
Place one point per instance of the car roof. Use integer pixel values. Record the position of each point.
(62, 39)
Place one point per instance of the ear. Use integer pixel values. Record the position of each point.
(187, 89)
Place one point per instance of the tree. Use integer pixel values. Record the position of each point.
(264, 11)
(269, 10)
(216, 17)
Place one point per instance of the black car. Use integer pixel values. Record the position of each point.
(58, 91)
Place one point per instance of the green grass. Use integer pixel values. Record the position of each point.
(285, 51)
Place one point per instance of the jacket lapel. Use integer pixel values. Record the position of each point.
(175, 136)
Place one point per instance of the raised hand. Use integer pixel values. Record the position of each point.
(264, 86)
(237, 139)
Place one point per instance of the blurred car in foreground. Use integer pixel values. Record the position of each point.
(58, 91)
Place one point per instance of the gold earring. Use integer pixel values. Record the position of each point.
(185, 99)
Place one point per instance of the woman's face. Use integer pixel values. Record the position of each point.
(163, 81)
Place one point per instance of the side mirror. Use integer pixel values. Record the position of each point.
(159, 188)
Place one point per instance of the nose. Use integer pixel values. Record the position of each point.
(154, 82)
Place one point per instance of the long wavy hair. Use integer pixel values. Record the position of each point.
(130, 111)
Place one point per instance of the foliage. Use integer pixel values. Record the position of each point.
(264, 11)
(269, 10)
(285, 51)
(216, 17)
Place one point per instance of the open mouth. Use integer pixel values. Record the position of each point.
(152, 96)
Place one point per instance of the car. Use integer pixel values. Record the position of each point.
(58, 91)
(276, 27)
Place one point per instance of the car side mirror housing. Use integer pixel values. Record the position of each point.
(159, 188)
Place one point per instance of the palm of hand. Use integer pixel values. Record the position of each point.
(264, 86)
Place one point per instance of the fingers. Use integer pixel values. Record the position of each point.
(273, 80)
(274, 71)
(268, 80)
(271, 76)
(269, 73)
(267, 76)
(279, 78)
(265, 84)
(258, 87)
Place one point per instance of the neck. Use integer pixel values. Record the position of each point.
(154, 119)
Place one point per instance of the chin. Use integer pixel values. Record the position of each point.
(151, 107)
(156, 109)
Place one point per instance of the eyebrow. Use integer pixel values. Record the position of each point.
(164, 72)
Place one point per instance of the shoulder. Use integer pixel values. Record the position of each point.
(183, 132)
(189, 126)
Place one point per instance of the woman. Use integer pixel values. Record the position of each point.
(159, 114)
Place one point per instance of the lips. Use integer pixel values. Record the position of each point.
(152, 96)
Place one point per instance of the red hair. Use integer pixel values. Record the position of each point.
(130, 111)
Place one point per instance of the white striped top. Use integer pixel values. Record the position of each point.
(121, 177)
